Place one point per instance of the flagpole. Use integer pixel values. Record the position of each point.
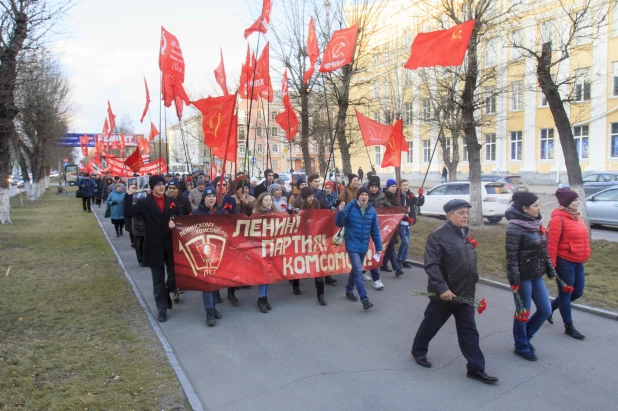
(257, 47)
(330, 130)
(160, 114)
(227, 147)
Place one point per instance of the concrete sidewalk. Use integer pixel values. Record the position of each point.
(302, 356)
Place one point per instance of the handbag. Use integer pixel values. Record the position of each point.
(108, 212)
(339, 238)
(78, 193)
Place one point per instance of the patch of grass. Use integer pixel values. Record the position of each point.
(72, 333)
(601, 281)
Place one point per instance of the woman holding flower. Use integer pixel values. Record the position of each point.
(568, 245)
(527, 262)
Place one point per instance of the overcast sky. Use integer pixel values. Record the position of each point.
(108, 46)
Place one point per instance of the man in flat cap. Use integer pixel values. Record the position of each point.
(450, 263)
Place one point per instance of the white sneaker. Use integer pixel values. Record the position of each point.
(378, 285)
(366, 277)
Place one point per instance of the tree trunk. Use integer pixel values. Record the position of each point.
(5, 206)
(563, 125)
(343, 104)
(31, 191)
(474, 148)
(304, 131)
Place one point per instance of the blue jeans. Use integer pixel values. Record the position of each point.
(531, 290)
(356, 275)
(262, 290)
(390, 255)
(404, 238)
(209, 300)
(375, 274)
(572, 274)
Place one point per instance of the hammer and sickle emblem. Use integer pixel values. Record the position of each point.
(456, 35)
(163, 43)
(213, 123)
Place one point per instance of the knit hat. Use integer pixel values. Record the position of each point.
(154, 180)
(351, 177)
(374, 181)
(200, 181)
(306, 192)
(566, 196)
(390, 182)
(209, 191)
(254, 180)
(240, 182)
(274, 187)
(329, 184)
(300, 181)
(361, 191)
(173, 182)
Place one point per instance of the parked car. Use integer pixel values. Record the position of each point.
(597, 181)
(513, 183)
(53, 174)
(603, 207)
(496, 198)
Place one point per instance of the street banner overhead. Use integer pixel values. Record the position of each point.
(73, 139)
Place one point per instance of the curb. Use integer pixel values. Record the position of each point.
(194, 400)
(585, 308)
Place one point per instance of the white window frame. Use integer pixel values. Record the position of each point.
(583, 33)
(426, 151)
(274, 131)
(410, 153)
(241, 148)
(516, 145)
(490, 54)
(376, 89)
(427, 109)
(409, 107)
(490, 147)
(613, 138)
(614, 83)
(547, 30)
(275, 163)
(581, 135)
(490, 100)
(582, 88)
(258, 131)
(517, 95)
(275, 148)
(377, 151)
(273, 115)
(241, 133)
(259, 148)
(547, 144)
(517, 37)
(543, 101)
(448, 142)
(464, 150)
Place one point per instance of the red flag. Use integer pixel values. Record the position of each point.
(220, 151)
(220, 75)
(153, 132)
(112, 118)
(171, 61)
(122, 143)
(105, 132)
(442, 47)
(99, 146)
(115, 145)
(83, 142)
(217, 120)
(134, 161)
(340, 49)
(288, 120)
(374, 133)
(260, 23)
(312, 50)
(144, 145)
(261, 79)
(167, 94)
(285, 95)
(147, 101)
(245, 75)
(394, 147)
(268, 94)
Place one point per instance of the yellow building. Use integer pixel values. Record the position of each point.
(517, 132)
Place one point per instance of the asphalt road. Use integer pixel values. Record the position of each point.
(302, 356)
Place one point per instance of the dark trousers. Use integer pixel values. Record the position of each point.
(139, 243)
(436, 314)
(319, 284)
(161, 287)
(391, 256)
(86, 200)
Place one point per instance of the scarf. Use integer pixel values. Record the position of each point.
(531, 225)
(160, 200)
(573, 213)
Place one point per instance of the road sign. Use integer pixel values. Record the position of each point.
(254, 159)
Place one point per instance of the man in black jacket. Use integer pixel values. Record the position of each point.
(157, 210)
(173, 190)
(263, 188)
(450, 263)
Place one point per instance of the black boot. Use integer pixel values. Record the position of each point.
(330, 280)
(231, 297)
(367, 304)
(296, 287)
(218, 315)
(261, 306)
(267, 304)
(321, 299)
(210, 318)
(550, 319)
(570, 330)
(218, 297)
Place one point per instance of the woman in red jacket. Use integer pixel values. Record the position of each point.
(568, 246)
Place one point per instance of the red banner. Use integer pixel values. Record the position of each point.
(339, 50)
(156, 167)
(217, 251)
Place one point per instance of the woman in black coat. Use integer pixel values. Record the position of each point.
(527, 261)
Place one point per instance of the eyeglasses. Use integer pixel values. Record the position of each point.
(160, 185)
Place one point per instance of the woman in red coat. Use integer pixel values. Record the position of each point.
(568, 246)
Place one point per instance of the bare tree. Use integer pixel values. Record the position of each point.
(575, 26)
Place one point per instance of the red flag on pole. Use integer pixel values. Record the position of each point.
(134, 161)
(105, 132)
(122, 143)
(394, 147)
(260, 23)
(220, 150)
(143, 145)
(112, 118)
(83, 142)
(115, 145)
(340, 49)
(441, 48)
(220, 75)
(171, 61)
(217, 116)
(287, 120)
(261, 79)
(245, 75)
(141, 120)
(312, 50)
(374, 133)
(153, 132)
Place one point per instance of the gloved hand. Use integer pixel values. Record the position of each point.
(421, 191)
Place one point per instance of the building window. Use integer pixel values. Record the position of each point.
(614, 137)
(273, 115)
(376, 116)
(580, 134)
(490, 147)
(615, 73)
(259, 148)
(581, 87)
(274, 132)
(426, 151)
(516, 145)
(517, 39)
(378, 154)
(241, 149)
(407, 120)
(275, 163)
(259, 114)
(543, 100)
(490, 100)
(490, 56)
(584, 23)
(376, 90)
(241, 133)
(547, 144)
(448, 142)
(517, 95)
(426, 109)
(547, 30)
(410, 153)
(464, 149)
(387, 87)
(258, 130)
(275, 148)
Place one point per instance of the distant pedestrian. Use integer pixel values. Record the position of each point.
(115, 202)
(360, 174)
(444, 174)
(568, 246)
(86, 187)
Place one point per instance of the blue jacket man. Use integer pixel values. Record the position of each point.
(361, 222)
(86, 187)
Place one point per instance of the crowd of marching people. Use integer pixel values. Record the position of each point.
(532, 251)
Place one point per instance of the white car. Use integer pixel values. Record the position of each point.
(496, 198)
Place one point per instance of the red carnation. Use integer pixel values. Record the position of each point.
(172, 205)
(543, 230)
(473, 241)
(482, 306)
